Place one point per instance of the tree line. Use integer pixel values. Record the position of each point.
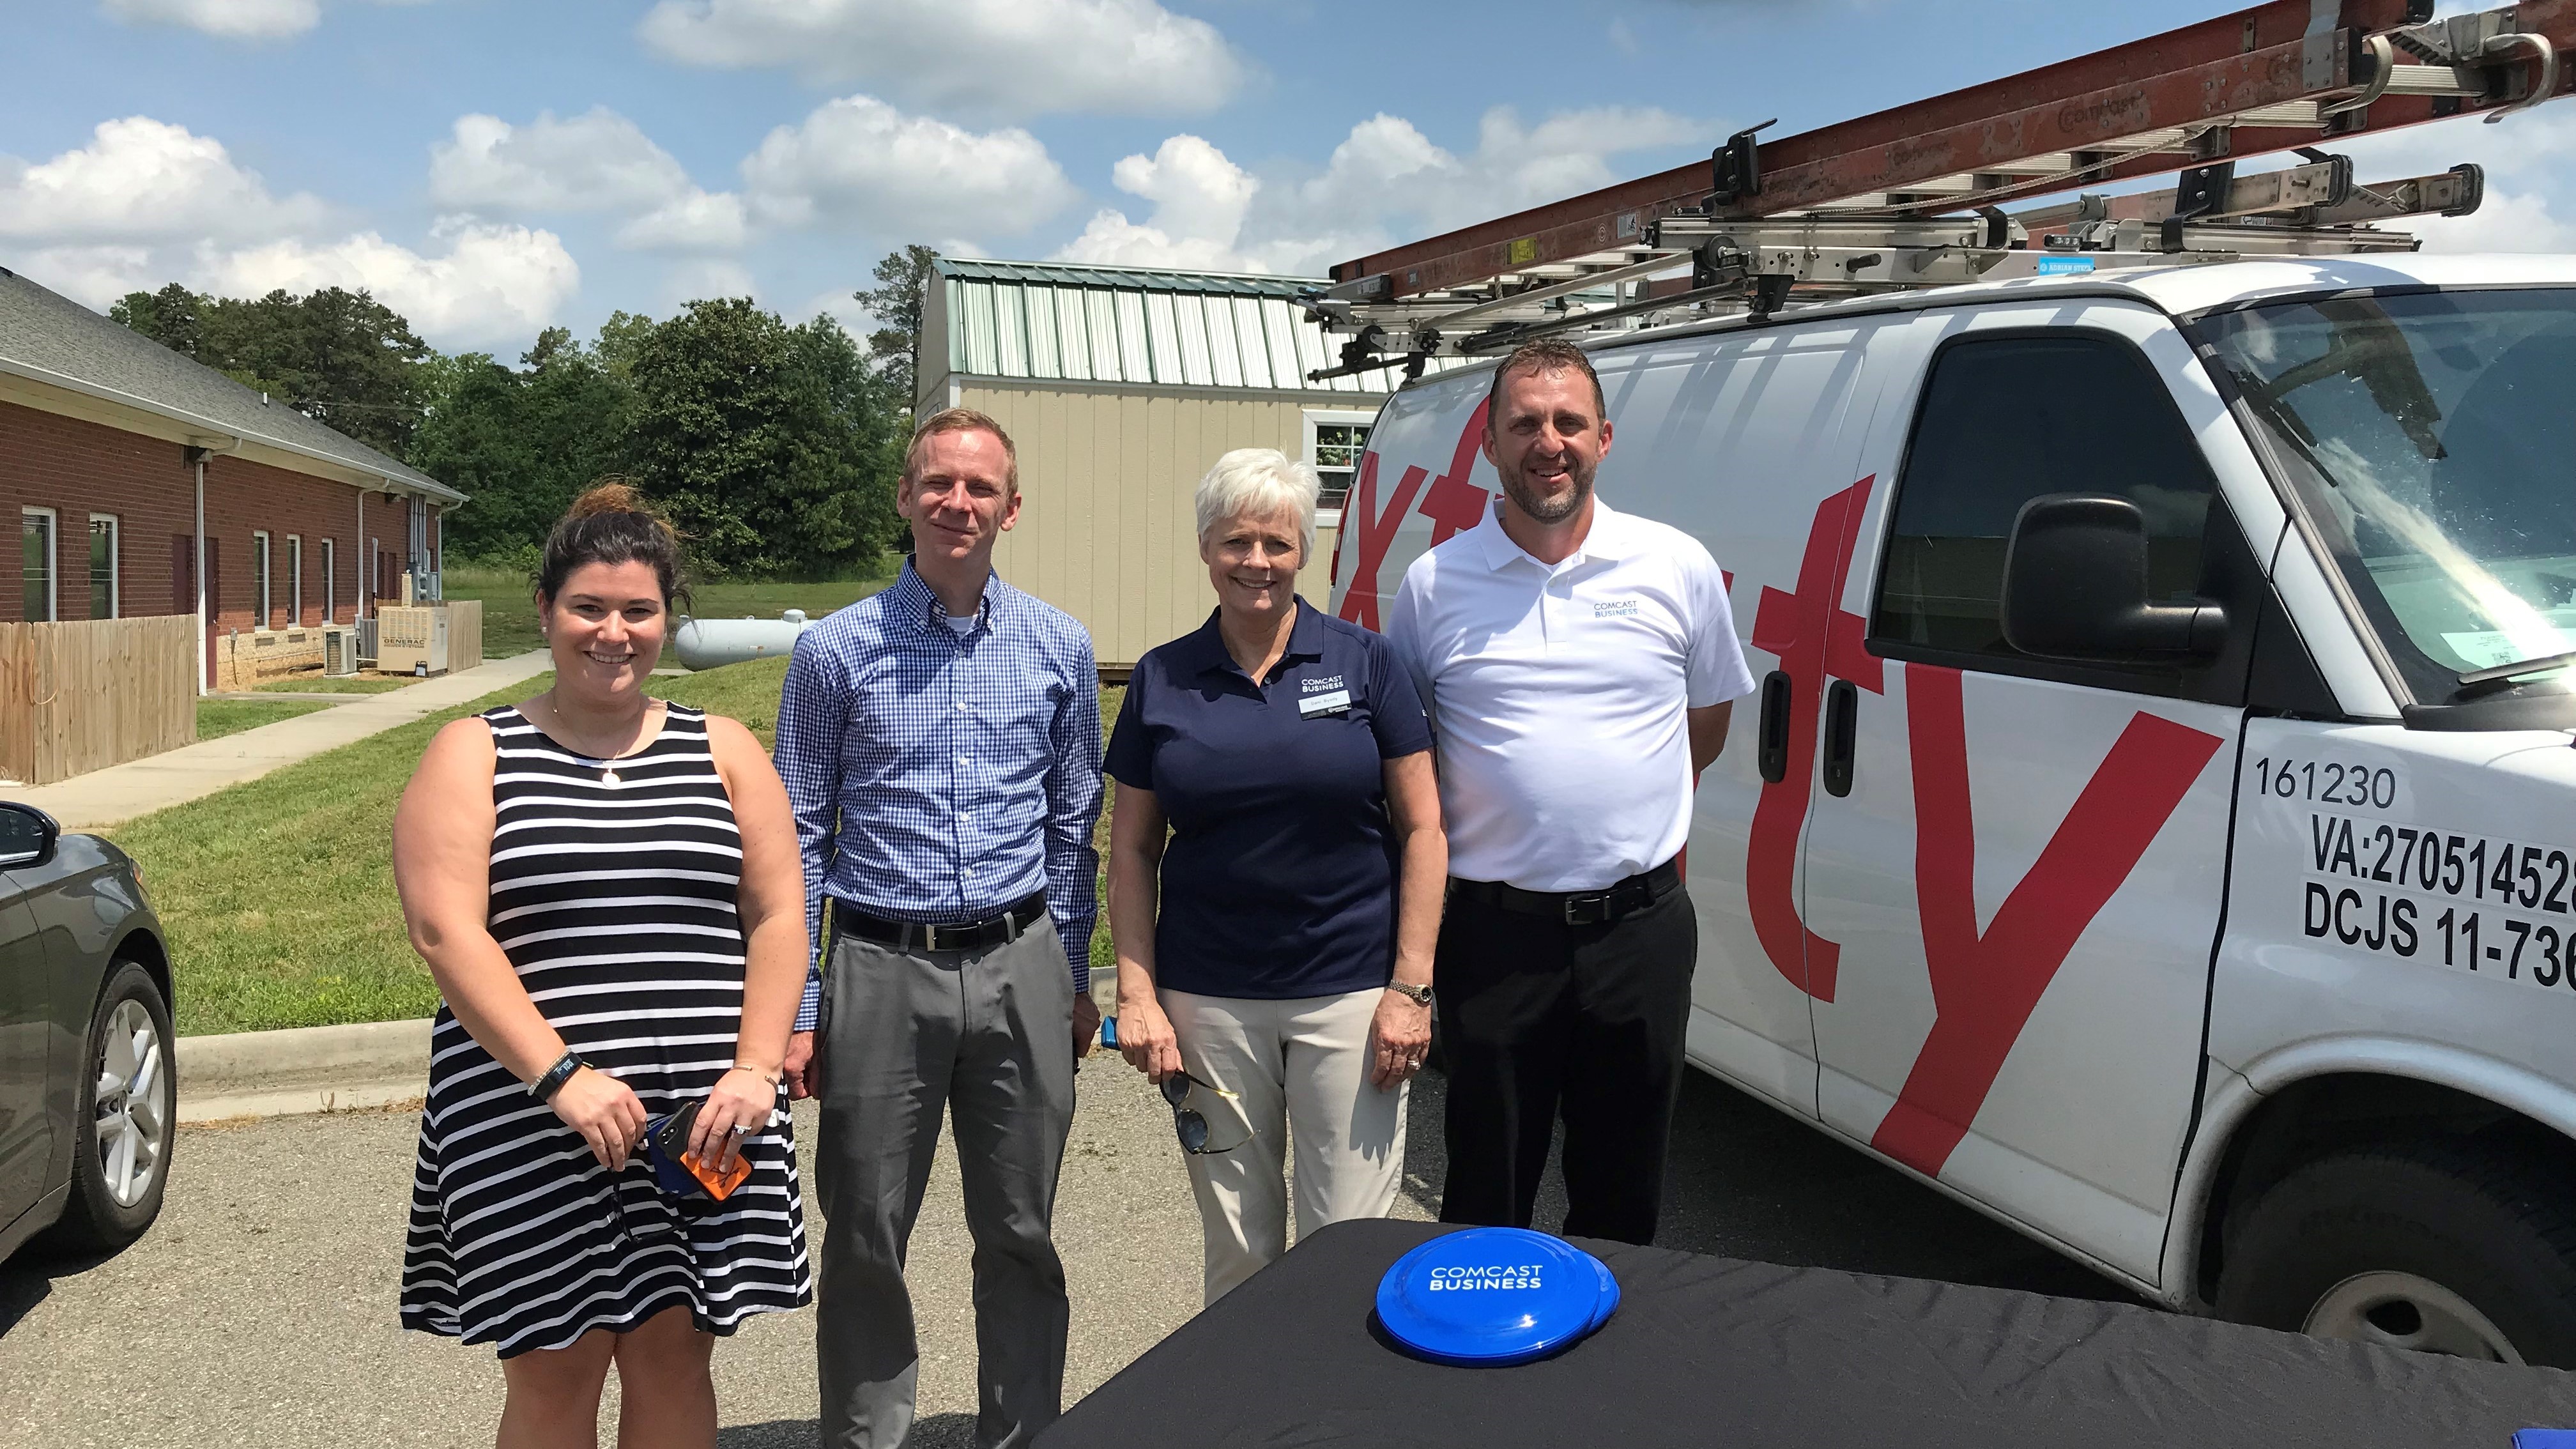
(773, 447)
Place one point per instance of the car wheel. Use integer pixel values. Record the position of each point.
(127, 1112)
(2438, 1250)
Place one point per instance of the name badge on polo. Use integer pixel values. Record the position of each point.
(1337, 702)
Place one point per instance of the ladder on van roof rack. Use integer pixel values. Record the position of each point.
(1912, 197)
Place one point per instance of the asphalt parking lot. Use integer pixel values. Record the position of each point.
(260, 1310)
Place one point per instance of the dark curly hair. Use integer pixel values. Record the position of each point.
(611, 523)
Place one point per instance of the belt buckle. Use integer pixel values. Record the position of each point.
(1588, 909)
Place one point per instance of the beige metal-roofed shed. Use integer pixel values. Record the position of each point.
(1120, 387)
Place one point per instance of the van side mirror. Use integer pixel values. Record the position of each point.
(2075, 586)
(27, 835)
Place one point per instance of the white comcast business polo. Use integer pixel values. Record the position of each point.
(1557, 695)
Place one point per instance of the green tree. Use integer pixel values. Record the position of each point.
(773, 447)
(619, 339)
(902, 278)
(521, 443)
(340, 357)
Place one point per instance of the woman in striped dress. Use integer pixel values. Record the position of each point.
(607, 890)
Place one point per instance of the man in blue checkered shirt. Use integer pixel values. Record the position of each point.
(941, 746)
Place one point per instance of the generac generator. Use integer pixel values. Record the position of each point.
(411, 640)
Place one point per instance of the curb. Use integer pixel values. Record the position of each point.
(301, 1070)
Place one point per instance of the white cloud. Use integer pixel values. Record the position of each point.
(1386, 179)
(695, 221)
(841, 307)
(1200, 200)
(596, 161)
(859, 162)
(147, 203)
(144, 180)
(97, 275)
(493, 284)
(1015, 57)
(231, 19)
(700, 281)
(2531, 187)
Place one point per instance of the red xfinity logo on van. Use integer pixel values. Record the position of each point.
(1453, 506)
(1984, 986)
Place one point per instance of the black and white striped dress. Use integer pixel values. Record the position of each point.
(616, 904)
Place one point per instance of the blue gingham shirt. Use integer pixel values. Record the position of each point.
(938, 777)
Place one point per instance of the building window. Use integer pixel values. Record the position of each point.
(1334, 442)
(259, 580)
(39, 526)
(294, 581)
(104, 584)
(330, 582)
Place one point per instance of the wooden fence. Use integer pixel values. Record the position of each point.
(464, 634)
(83, 696)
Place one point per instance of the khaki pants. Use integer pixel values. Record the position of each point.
(1301, 1070)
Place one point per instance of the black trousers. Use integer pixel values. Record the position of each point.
(1538, 1019)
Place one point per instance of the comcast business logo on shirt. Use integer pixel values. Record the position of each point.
(1319, 686)
(1490, 1275)
(1613, 608)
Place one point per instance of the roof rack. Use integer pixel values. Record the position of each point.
(1913, 197)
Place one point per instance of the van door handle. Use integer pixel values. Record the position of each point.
(1771, 749)
(1842, 735)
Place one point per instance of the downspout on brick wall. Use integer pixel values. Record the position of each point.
(197, 454)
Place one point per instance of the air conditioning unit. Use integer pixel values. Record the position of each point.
(411, 640)
(339, 651)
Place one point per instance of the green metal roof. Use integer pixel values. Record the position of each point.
(1077, 274)
(1059, 320)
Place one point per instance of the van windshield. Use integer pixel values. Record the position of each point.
(2432, 438)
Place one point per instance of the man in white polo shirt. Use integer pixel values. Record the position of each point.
(1579, 664)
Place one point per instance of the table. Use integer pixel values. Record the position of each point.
(1716, 1351)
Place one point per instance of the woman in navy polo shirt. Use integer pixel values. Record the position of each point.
(1278, 946)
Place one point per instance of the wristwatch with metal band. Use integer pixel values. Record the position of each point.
(1418, 995)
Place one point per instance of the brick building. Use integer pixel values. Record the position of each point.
(132, 471)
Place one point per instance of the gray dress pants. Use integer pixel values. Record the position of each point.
(988, 1036)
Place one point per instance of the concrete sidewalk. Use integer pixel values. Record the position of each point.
(139, 787)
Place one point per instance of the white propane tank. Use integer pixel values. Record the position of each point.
(712, 643)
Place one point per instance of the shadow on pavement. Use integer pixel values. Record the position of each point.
(1747, 1181)
(937, 1431)
(27, 1279)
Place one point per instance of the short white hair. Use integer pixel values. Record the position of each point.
(1257, 482)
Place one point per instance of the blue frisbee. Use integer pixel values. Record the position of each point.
(1487, 1297)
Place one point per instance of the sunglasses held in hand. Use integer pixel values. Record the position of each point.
(1187, 1123)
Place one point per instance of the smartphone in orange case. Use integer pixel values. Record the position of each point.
(672, 1143)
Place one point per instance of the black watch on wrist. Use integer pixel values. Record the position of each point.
(1418, 995)
(545, 1087)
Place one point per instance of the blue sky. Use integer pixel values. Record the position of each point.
(494, 166)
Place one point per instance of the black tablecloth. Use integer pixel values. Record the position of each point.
(1715, 1351)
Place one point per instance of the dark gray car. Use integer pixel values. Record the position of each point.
(88, 1097)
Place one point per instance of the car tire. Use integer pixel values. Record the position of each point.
(126, 1117)
(2438, 1249)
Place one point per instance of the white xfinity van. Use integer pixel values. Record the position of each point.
(2157, 826)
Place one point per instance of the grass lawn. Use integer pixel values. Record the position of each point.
(278, 894)
(510, 616)
(217, 718)
(338, 684)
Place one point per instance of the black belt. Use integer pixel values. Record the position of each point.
(849, 920)
(1576, 908)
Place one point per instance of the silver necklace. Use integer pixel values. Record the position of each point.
(608, 763)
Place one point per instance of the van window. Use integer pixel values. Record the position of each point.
(2008, 419)
(2427, 437)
